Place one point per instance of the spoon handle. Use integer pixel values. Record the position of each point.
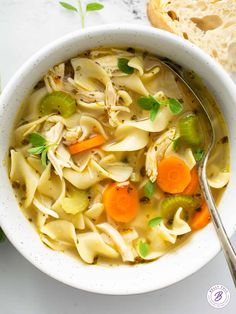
(226, 245)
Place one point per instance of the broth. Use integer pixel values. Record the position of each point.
(104, 157)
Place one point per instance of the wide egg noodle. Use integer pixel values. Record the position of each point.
(50, 184)
(137, 63)
(131, 82)
(127, 138)
(25, 175)
(32, 104)
(126, 253)
(91, 244)
(162, 238)
(163, 118)
(90, 125)
(59, 234)
(88, 74)
(216, 177)
(22, 131)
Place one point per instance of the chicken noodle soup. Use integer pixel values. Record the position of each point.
(104, 157)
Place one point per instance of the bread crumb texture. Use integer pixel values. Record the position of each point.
(209, 24)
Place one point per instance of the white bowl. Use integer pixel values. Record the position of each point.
(179, 263)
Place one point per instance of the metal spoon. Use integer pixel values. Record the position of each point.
(226, 245)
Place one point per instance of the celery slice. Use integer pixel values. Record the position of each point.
(171, 204)
(190, 130)
(75, 203)
(60, 102)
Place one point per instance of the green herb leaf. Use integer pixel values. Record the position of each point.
(2, 236)
(124, 67)
(154, 222)
(143, 248)
(175, 106)
(44, 157)
(36, 150)
(145, 103)
(154, 111)
(149, 189)
(198, 154)
(37, 140)
(68, 6)
(148, 102)
(94, 6)
(177, 144)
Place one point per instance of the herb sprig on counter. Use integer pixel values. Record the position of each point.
(92, 6)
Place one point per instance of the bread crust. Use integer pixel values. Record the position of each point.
(218, 41)
(155, 16)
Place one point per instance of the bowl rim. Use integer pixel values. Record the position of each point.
(217, 69)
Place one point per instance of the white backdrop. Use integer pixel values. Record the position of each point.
(25, 27)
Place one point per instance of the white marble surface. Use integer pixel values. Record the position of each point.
(25, 27)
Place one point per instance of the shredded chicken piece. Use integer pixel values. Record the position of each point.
(156, 152)
(72, 135)
(125, 252)
(54, 136)
(54, 78)
(110, 104)
(90, 96)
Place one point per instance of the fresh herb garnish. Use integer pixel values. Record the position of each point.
(154, 222)
(177, 144)
(151, 104)
(44, 157)
(154, 111)
(36, 150)
(143, 248)
(124, 67)
(198, 154)
(40, 146)
(2, 236)
(93, 6)
(149, 189)
(175, 106)
(37, 140)
(146, 103)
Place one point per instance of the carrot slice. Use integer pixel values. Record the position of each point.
(173, 175)
(193, 186)
(201, 218)
(93, 142)
(121, 202)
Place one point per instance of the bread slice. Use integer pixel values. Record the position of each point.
(209, 24)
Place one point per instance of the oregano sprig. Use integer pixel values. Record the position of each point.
(40, 147)
(151, 104)
(92, 6)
